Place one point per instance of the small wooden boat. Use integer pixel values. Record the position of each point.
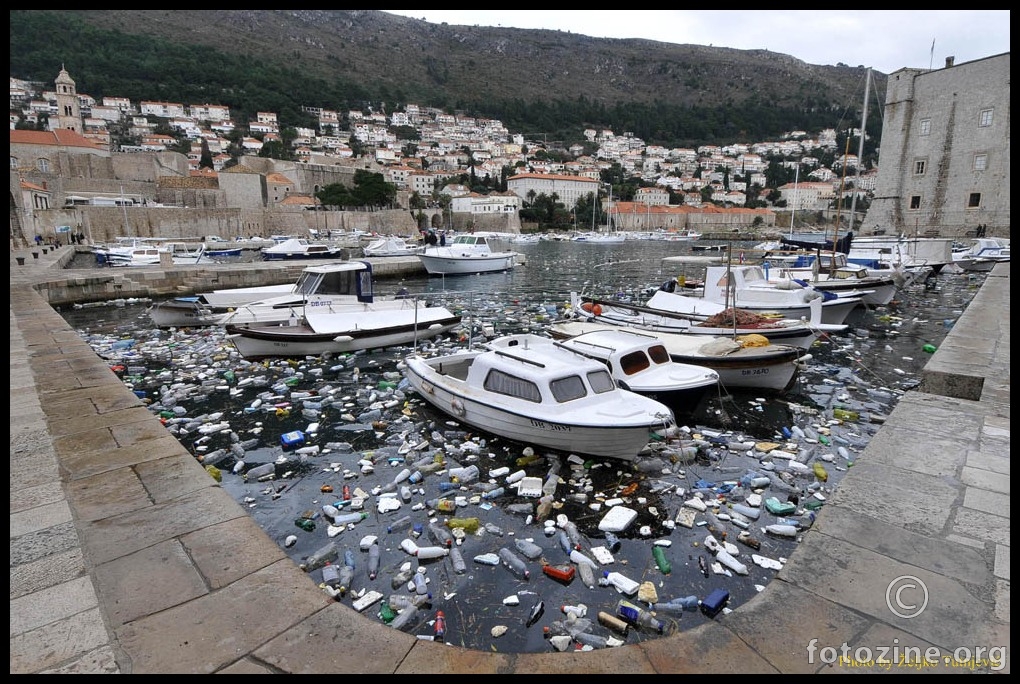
(524, 388)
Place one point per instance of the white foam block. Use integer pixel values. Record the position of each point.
(617, 519)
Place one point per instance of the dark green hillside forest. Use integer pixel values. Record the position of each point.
(129, 61)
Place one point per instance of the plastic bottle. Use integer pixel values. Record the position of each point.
(405, 617)
(469, 525)
(587, 574)
(421, 586)
(514, 563)
(593, 640)
(636, 615)
(528, 548)
(494, 493)
(660, 560)
(677, 605)
(623, 584)
(440, 626)
(373, 561)
(346, 577)
(349, 518)
(431, 552)
(457, 560)
(440, 535)
(573, 534)
(442, 505)
(399, 523)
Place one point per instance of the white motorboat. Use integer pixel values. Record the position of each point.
(390, 246)
(983, 254)
(336, 283)
(872, 250)
(300, 248)
(746, 287)
(528, 390)
(351, 328)
(675, 313)
(641, 364)
(748, 361)
(834, 273)
(465, 255)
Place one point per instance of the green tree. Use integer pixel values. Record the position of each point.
(206, 161)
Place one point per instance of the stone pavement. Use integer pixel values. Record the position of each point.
(126, 557)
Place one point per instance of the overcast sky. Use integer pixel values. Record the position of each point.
(885, 40)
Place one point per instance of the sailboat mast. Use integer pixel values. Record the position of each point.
(860, 148)
(796, 196)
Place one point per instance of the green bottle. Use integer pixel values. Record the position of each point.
(660, 559)
(305, 524)
(386, 612)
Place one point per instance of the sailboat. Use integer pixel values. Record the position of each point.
(611, 236)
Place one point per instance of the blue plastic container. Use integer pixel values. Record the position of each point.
(290, 440)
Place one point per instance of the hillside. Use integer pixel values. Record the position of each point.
(545, 83)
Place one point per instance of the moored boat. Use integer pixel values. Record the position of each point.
(466, 254)
(528, 390)
(749, 361)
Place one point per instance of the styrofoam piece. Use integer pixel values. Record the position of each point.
(530, 486)
(602, 555)
(617, 519)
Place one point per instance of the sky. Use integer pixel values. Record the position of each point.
(885, 40)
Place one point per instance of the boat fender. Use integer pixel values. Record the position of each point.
(457, 406)
(595, 309)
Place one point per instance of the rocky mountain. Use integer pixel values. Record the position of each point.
(525, 77)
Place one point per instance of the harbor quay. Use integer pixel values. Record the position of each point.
(128, 558)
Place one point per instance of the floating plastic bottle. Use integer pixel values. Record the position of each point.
(431, 552)
(623, 584)
(349, 518)
(528, 548)
(457, 560)
(592, 640)
(373, 561)
(421, 586)
(677, 605)
(440, 626)
(469, 525)
(514, 563)
(636, 615)
(661, 561)
(346, 577)
(399, 523)
(440, 535)
(405, 617)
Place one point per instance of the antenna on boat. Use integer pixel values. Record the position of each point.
(860, 152)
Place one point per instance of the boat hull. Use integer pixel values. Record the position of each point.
(182, 312)
(601, 433)
(772, 368)
(357, 332)
(438, 264)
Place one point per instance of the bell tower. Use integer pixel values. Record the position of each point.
(68, 107)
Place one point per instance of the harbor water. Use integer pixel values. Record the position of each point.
(301, 443)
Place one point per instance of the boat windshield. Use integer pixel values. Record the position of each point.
(601, 381)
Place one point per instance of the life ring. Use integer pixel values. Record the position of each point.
(457, 406)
